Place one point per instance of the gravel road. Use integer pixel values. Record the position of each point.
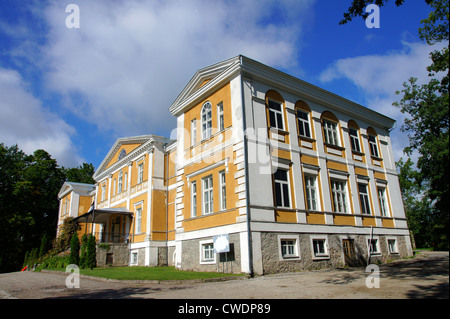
(425, 276)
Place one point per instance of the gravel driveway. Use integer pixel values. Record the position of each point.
(425, 276)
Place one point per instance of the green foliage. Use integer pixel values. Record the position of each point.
(29, 185)
(54, 262)
(74, 257)
(91, 260)
(83, 251)
(358, 8)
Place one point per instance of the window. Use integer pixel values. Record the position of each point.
(126, 182)
(207, 195)
(364, 199)
(193, 132)
(373, 146)
(339, 196)
(331, 133)
(303, 124)
(220, 124)
(354, 140)
(311, 192)
(207, 253)
(122, 154)
(281, 188)
(134, 258)
(119, 186)
(275, 115)
(206, 121)
(392, 245)
(140, 173)
(373, 246)
(114, 187)
(288, 248)
(193, 199)
(222, 191)
(320, 249)
(103, 192)
(138, 220)
(383, 202)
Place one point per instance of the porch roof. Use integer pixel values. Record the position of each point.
(101, 216)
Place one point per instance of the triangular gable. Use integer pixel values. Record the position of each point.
(125, 145)
(202, 80)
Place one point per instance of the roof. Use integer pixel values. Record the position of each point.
(101, 216)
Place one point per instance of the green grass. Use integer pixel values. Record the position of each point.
(150, 273)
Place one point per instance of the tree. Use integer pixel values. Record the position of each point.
(427, 126)
(91, 260)
(83, 251)
(80, 174)
(74, 257)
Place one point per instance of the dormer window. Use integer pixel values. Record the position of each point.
(122, 154)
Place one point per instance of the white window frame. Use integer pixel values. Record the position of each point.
(276, 112)
(320, 255)
(373, 146)
(114, 187)
(364, 199)
(282, 189)
(377, 252)
(120, 183)
(331, 132)
(126, 182)
(207, 195)
(383, 201)
(193, 132)
(193, 199)
(134, 261)
(393, 251)
(310, 189)
(206, 120)
(296, 252)
(202, 250)
(340, 196)
(103, 192)
(138, 228)
(354, 140)
(140, 173)
(220, 121)
(222, 190)
(304, 123)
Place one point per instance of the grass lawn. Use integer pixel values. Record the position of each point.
(150, 273)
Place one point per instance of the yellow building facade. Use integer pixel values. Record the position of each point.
(267, 173)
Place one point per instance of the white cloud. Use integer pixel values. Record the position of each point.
(129, 59)
(25, 122)
(380, 76)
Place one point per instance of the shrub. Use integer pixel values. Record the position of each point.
(91, 260)
(74, 257)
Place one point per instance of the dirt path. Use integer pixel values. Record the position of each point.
(426, 276)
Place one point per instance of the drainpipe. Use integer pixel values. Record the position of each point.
(167, 204)
(247, 192)
(370, 245)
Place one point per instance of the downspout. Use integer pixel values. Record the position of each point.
(370, 245)
(167, 203)
(247, 191)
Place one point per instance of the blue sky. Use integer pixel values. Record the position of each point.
(73, 92)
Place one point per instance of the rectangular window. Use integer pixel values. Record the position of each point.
(114, 187)
(275, 115)
(140, 173)
(373, 246)
(193, 132)
(331, 133)
(354, 140)
(311, 192)
(320, 248)
(193, 199)
(303, 124)
(134, 258)
(364, 199)
(392, 244)
(383, 202)
(373, 146)
(207, 195)
(125, 182)
(281, 188)
(103, 192)
(138, 220)
(339, 196)
(222, 191)
(120, 184)
(208, 252)
(289, 248)
(220, 124)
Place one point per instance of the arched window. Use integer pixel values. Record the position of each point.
(275, 103)
(206, 120)
(353, 131)
(302, 112)
(122, 154)
(330, 125)
(373, 143)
